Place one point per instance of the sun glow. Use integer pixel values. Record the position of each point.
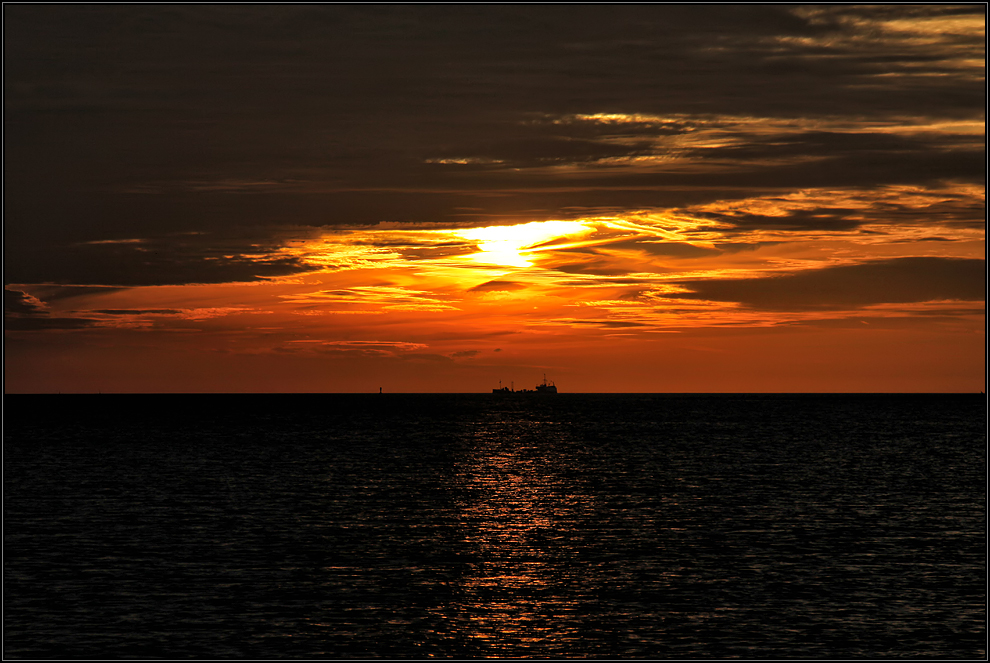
(513, 245)
(479, 298)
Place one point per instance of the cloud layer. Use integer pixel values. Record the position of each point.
(897, 280)
(292, 185)
(135, 122)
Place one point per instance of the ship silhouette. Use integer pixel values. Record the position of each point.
(544, 388)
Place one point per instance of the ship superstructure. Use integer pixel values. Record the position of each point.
(546, 387)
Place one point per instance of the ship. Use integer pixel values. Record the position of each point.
(546, 387)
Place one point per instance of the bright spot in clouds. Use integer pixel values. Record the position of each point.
(801, 206)
(512, 245)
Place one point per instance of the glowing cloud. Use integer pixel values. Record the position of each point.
(513, 246)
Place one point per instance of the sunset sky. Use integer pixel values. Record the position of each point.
(641, 198)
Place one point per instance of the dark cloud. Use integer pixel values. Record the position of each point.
(828, 143)
(496, 285)
(139, 121)
(25, 313)
(20, 303)
(870, 169)
(605, 323)
(609, 281)
(45, 323)
(912, 320)
(666, 249)
(876, 168)
(52, 293)
(437, 252)
(932, 238)
(951, 312)
(814, 219)
(550, 150)
(898, 280)
(736, 247)
(138, 311)
(163, 261)
(852, 159)
(945, 207)
(597, 267)
(591, 127)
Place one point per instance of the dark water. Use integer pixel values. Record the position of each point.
(467, 526)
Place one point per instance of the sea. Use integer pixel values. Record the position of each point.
(468, 526)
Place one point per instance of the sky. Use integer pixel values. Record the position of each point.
(437, 198)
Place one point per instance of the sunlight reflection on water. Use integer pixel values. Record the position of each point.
(517, 514)
(465, 527)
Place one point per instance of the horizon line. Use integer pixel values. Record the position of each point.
(479, 393)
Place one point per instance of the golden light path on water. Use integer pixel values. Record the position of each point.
(518, 514)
